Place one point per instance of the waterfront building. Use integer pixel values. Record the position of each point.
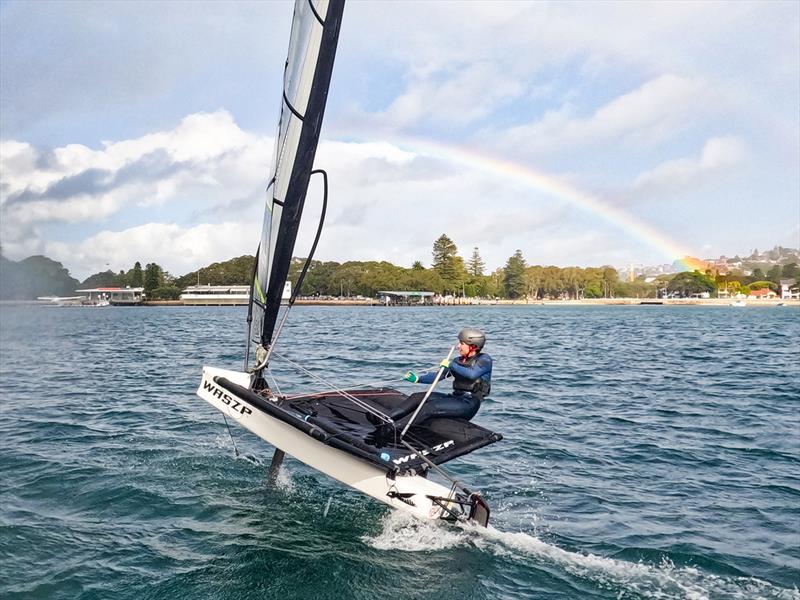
(216, 295)
(116, 296)
(223, 295)
(763, 294)
(789, 289)
(405, 298)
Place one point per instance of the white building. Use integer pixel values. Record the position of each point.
(223, 295)
(116, 296)
(216, 295)
(788, 289)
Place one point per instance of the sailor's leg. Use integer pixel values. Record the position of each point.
(446, 405)
(407, 406)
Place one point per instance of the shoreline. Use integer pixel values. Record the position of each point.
(720, 302)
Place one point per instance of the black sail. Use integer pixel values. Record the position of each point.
(307, 75)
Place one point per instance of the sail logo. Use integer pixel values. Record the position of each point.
(236, 409)
(404, 459)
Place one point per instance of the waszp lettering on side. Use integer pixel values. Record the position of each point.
(227, 399)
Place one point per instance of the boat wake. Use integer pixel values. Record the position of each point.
(403, 531)
(628, 579)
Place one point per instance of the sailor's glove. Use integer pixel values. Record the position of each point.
(411, 376)
(445, 363)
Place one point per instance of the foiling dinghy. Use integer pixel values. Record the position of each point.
(345, 434)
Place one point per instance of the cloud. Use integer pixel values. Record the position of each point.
(455, 96)
(179, 249)
(718, 155)
(204, 162)
(655, 111)
(187, 201)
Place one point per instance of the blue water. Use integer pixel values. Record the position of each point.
(649, 452)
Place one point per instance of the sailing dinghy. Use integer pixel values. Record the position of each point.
(333, 431)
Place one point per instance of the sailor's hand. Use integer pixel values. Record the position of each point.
(445, 363)
(411, 376)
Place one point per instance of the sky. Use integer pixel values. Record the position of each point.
(579, 133)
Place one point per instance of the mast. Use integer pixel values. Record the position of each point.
(307, 75)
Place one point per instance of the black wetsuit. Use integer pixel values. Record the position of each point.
(472, 382)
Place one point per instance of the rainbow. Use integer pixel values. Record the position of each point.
(551, 185)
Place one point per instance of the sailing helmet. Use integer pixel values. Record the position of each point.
(473, 337)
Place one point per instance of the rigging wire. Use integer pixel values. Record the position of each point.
(345, 394)
(366, 384)
(363, 384)
(253, 276)
(274, 381)
(230, 433)
(298, 286)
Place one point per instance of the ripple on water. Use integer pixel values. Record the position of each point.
(647, 454)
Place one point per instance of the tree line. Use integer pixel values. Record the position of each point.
(449, 274)
(687, 284)
(158, 284)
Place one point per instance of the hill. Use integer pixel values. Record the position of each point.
(34, 276)
(236, 271)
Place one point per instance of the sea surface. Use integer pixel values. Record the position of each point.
(649, 452)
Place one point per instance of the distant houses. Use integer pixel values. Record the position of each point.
(763, 294)
(788, 289)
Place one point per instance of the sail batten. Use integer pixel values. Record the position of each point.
(307, 74)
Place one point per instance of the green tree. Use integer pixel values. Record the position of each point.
(164, 292)
(552, 284)
(321, 279)
(153, 277)
(424, 280)
(610, 279)
(687, 283)
(448, 264)
(136, 277)
(534, 276)
(790, 271)
(236, 271)
(758, 275)
(774, 274)
(573, 281)
(595, 286)
(493, 283)
(102, 279)
(760, 285)
(514, 276)
(475, 264)
(635, 289)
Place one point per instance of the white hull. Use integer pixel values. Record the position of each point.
(360, 475)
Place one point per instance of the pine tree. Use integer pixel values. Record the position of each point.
(475, 265)
(136, 275)
(514, 276)
(448, 264)
(152, 277)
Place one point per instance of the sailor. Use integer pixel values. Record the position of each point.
(471, 372)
